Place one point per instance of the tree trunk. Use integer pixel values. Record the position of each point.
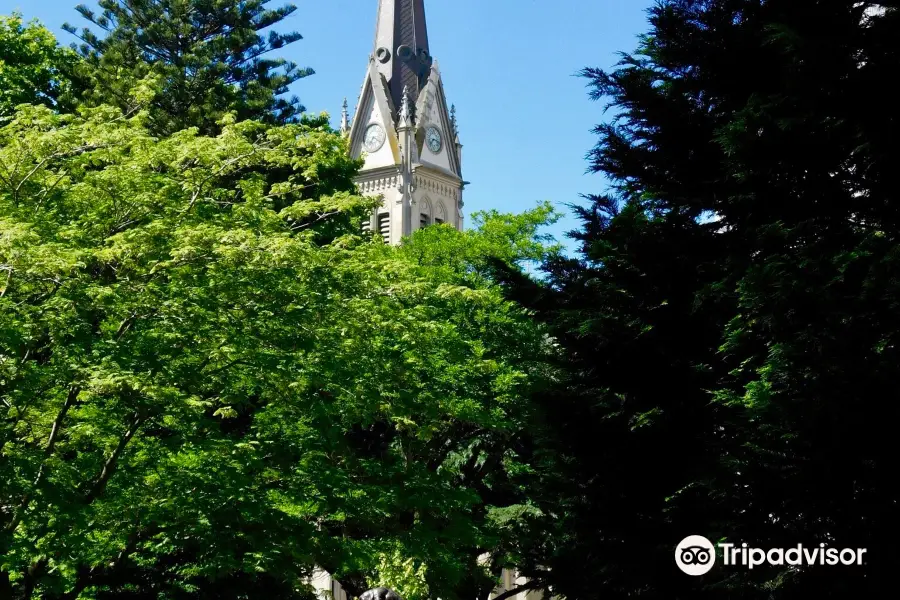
(6, 591)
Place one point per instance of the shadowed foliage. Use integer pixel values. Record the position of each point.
(730, 326)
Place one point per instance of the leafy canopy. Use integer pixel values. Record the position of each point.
(211, 382)
(32, 65)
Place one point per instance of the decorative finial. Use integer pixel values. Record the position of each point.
(345, 119)
(453, 119)
(405, 109)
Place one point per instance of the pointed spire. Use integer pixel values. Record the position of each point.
(406, 116)
(401, 50)
(345, 119)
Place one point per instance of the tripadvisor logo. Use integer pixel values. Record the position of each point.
(696, 555)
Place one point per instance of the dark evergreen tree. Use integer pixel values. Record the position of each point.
(730, 330)
(209, 55)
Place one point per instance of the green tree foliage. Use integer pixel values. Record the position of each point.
(730, 329)
(211, 382)
(32, 65)
(211, 58)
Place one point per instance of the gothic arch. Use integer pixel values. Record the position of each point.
(426, 216)
(440, 213)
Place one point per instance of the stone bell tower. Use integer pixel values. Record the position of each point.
(405, 130)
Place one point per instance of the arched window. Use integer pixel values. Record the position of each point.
(440, 215)
(424, 213)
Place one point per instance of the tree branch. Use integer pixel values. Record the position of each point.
(47, 191)
(225, 165)
(233, 363)
(31, 576)
(6, 589)
(94, 575)
(125, 326)
(9, 272)
(66, 154)
(110, 465)
(71, 397)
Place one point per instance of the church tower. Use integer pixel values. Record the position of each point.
(405, 130)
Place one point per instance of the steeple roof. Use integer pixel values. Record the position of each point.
(401, 48)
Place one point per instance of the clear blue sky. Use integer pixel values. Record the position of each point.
(508, 65)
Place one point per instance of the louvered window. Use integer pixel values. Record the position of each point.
(384, 227)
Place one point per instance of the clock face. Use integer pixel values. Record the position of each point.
(374, 139)
(433, 139)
